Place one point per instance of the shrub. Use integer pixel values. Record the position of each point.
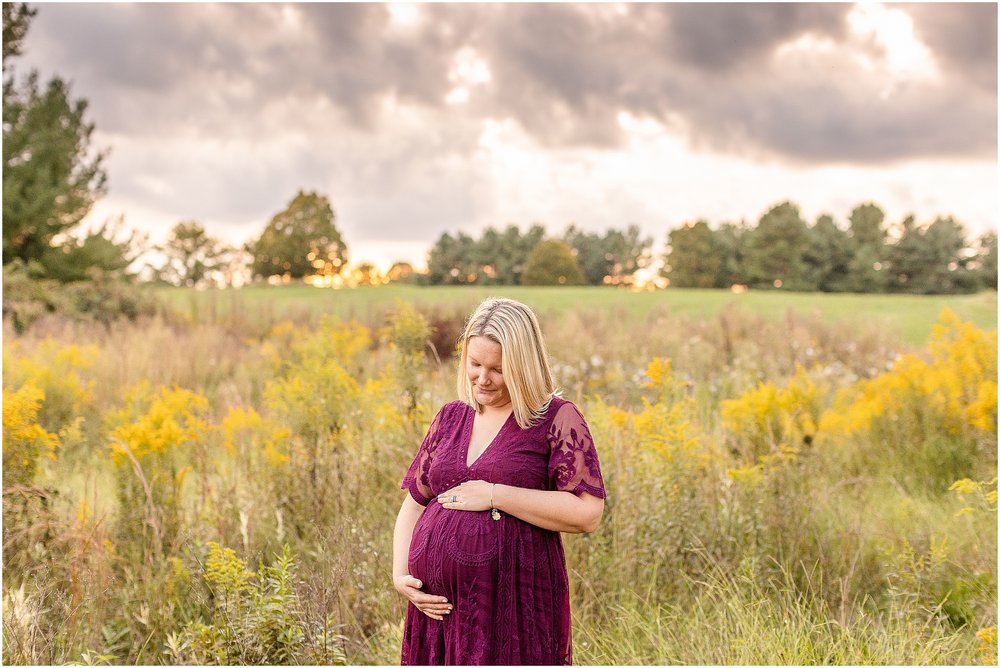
(61, 372)
(937, 413)
(24, 440)
(769, 420)
(103, 297)
(254, 618)
(407, 334)
(153, 437)
(552, 263)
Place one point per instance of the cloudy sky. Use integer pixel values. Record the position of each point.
(420, 119)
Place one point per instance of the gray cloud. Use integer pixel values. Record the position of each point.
(562, 71)
(727, 37)
(565, 71)
(963, 36)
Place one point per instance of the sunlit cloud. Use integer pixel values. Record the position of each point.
(416, 119)
(892, 29)
(404, 14)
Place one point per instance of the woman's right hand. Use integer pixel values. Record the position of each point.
(435, 607)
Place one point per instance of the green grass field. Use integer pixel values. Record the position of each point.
(908, 316)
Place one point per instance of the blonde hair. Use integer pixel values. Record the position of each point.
(525, 363)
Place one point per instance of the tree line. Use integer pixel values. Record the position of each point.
(510, 257)
(783, 251)
(780, 251)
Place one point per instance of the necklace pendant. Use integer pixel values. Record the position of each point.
(495, 514)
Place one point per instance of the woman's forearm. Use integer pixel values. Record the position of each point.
(409, 512)
(556, 511)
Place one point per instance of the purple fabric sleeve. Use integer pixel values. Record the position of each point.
(417, 479)
(573, 463)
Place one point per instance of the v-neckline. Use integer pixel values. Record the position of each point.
(468, 439)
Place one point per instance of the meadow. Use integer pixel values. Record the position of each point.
(909, 316)
(793, 478)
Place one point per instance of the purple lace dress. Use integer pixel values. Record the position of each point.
(505, 578)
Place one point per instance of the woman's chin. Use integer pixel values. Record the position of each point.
(490, 398)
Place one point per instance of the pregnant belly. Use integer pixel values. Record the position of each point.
(452, 549)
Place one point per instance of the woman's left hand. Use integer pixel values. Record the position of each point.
(472, 495)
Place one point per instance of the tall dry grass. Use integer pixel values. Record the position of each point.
(780, 490)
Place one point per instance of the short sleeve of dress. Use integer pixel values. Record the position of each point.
(417, 479)
(573, 463)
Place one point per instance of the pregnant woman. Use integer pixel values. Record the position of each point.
(502, 471)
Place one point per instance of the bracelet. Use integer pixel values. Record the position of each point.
(494, 513)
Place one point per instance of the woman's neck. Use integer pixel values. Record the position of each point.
(497, 411)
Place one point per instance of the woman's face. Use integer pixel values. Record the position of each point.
(484, 364)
